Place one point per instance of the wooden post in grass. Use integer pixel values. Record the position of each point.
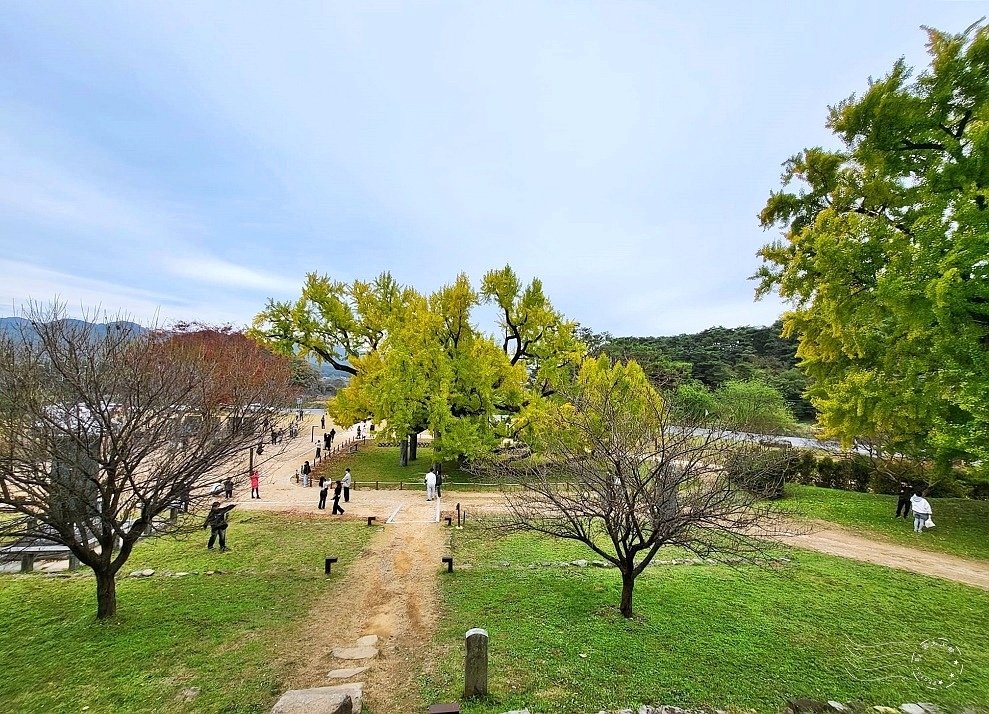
(476, 664)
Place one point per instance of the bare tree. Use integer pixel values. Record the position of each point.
(621, 469)
(103, 428)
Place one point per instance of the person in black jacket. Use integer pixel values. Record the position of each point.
(337, 490)
(903, 499)
(216, 521)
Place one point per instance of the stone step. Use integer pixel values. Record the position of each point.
(335, 699)
(355, 652)
(347, 673)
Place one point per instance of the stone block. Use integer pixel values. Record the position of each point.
(355, 652)
(347, 673)
(335, 699)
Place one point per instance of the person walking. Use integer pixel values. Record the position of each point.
(322, 422)
(216, 521)
(323, 489)
(903, 499)
(326, 441)
(439, 481)
(317, 452)
(333, 432)
(922, 512)
(430, 485)
(228, 487)
(346, 486)
(306, 470)
(255, 484)
(336, 499)
(358, 431)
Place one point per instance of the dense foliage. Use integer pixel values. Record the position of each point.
(418, 361)
(884, 255)
(745, 377)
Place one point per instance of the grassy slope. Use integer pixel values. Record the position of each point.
(962, 525)
(227, 634)
(736, 638)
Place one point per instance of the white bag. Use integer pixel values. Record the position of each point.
(929, 523)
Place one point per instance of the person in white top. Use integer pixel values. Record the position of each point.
(346, 486)
(430, 485)
(922, 511)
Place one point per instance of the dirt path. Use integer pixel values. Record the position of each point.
(391, 592)
(840, 542)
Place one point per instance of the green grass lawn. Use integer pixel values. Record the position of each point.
(380, 463)
(962, 525)
(704, 635)
(228, 634)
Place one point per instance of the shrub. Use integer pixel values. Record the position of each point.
(856, 471)
(762, 472)
(828, 473)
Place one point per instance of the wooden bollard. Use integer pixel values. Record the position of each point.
(173, 515)
(449, 521)
(448, 559)
(27, 562)
(476, 664)
(371, 519)
(329, 564)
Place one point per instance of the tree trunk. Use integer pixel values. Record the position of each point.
(413, 446)
(403, 452)
(628, 582)
(106, 595)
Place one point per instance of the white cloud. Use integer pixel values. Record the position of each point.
(214, 271)
(24, 282)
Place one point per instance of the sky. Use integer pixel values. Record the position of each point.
(190, 160)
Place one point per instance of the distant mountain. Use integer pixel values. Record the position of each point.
(15, 326)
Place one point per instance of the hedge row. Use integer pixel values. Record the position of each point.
(766, 468)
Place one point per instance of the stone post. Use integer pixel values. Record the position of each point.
(476, 664)
(73, 562)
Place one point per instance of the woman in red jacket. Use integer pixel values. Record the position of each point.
(255, 483)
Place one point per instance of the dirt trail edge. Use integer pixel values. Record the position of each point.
(836, 541)
(391, 591)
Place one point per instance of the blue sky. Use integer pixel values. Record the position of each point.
(192, 159)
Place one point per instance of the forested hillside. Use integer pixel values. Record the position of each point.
(719, 355)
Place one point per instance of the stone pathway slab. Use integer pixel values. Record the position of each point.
(355, 652)
(335, 699)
